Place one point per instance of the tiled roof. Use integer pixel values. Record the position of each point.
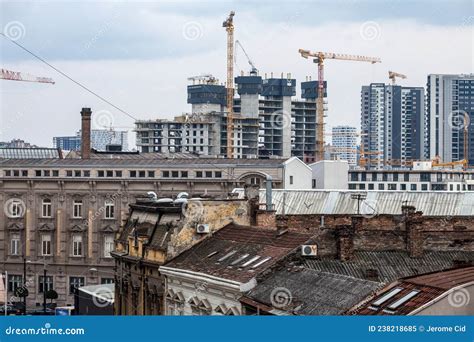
(412, 293)
(142, 162)
(390, 265)
(228, 254)
(311, 292)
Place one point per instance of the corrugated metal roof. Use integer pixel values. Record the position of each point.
(333, 202)
(24, 153)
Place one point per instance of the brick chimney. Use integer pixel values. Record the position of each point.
(414, 231)
(86, 114)
(345, 242)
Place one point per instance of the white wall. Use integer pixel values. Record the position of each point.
(330, 174)
(297, 174)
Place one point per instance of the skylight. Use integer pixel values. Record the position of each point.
(212, 254)
(386, 296)
(261, 262)
(255, 258)
(240, 259)
(404, 299)
(227, 256)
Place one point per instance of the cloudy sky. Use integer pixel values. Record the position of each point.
(138, 55)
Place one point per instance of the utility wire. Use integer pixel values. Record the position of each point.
(68, 77)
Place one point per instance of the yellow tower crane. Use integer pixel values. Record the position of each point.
(228, 24)
(319, 58)
(392, 75)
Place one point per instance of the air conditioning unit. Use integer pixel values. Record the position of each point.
(309, 250)
(202, 228)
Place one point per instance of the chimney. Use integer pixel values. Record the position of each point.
(345, 242)
(414, 232)
(281, 225)
(86, 133)
(268, 193)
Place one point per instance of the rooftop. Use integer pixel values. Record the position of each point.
(390, 265)
(340, 202)
(238, 253)
(312, 292)
(30, 152)
(412, 293)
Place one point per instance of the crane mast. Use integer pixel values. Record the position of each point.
(319, 58)
(228, 24)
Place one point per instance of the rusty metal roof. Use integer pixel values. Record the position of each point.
(238, 253)
(327, 202)
(412, 293)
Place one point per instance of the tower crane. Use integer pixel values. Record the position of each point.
(319, 58)
(20, 76)
(228, 24)
(392, 75)
(254, 70)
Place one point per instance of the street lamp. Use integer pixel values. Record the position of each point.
(24, 283)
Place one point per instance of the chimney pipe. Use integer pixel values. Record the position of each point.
(268, 193)
(86, 114)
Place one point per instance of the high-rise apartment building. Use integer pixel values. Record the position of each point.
(393, 125)
(100, 139)
(344, 143)
(268, 120)
(450, 108)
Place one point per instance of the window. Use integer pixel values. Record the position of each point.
(384, 177)
(77, 245)
(46, 244)
(44, 285)
(38, 173)
(77, 173)
(208, 174)
(424, 187)
(46, 173)
(68, 173)
(118, 173)
(404, 299)
(352, 186)
(395, 177)
(46, 208)
(381, 186)
(165, 174)
(86, 173)
(362, 186)
(14, 282)
(198, 174)
(174, 174)
(108, 245)
(291, 180)
(403, 187)
(354, 176)
(413, 187)
(55, 173)
(392, 186)
(15, 244)
(77, 209)
(100, 173)
(16, 208)
(314, 183)
(133, 174)
(424, 177)
(141, 174)
(386, 296)
(151, 174)
(109, 173)
(371, 186)
(109, 209)
(218, 174)
(107, 281)
(75, 283)
(184, 174)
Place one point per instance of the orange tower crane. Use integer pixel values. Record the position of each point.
(392, 75)
(319, 58)
(228, 24)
